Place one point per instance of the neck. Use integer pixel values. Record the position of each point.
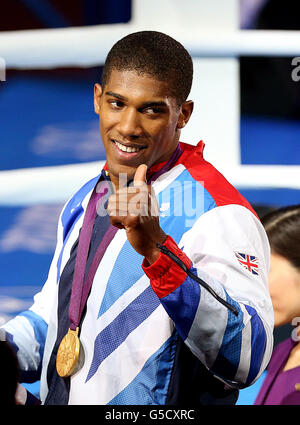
(117, 181)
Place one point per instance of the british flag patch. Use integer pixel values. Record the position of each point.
(249, 262)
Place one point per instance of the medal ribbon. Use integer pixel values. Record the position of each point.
(81, 288)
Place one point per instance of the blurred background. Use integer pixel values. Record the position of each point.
(247, 110)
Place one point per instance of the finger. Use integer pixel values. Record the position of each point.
(127, 222)
(140, 175)
(131, 209)
(115, 210)
(115, 221)
(154, 207)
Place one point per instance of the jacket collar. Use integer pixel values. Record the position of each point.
(186, 150)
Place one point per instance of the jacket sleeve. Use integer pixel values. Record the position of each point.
(235, 347)
(28, 330)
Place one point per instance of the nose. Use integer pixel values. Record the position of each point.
(129, 125)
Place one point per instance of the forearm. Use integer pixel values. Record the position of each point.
(26, 334)
(216, 334)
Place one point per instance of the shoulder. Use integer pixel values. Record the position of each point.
(81, 193)
(218, 187)
(280, 351)
(73, 207)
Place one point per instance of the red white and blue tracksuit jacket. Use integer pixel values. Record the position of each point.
(152, 334)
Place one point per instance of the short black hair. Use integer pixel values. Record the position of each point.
(156, 54)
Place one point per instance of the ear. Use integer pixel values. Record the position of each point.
(97, 96)
(186, 110)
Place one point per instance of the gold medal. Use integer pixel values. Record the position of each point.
(69, 355)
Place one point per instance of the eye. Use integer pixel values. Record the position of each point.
(116, 103)
(152, 110)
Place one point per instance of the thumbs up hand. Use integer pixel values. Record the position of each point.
(140, 175)
(135, 209)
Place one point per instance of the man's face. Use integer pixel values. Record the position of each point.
(139, 121)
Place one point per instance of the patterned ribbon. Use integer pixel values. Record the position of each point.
(80, 286)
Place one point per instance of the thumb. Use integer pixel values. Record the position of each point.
(140, 175)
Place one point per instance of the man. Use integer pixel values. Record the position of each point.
(161, 296)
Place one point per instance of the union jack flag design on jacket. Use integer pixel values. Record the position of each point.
(136, 313)
(249, 262)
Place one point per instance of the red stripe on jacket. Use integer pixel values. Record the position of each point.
(212, 180)
(164, 274)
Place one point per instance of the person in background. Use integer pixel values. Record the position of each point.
(282, 383)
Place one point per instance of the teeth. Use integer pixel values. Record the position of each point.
(126, 148)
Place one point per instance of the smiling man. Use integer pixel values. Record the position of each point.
(157, 293)
(139, 121)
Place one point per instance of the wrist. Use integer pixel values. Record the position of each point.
(154, 253)
(152, 256)
(165, 274)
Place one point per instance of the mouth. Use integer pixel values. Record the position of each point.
(131, 149)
